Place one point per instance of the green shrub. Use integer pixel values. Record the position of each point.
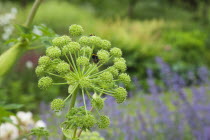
(189, 47)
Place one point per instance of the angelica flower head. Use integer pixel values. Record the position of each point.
(88, 64)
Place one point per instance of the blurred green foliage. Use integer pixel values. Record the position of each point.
(153, 28)
(6, 111)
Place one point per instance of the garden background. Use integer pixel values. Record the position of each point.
(166, 44)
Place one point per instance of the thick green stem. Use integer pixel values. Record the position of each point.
(32, 13)
(73, 99)
(75, 133)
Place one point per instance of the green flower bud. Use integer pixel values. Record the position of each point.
(65, 49)
(113, 71)
(83, 61)
(95, 41)
(125, 78)
(39, 132)
(76, 30)
(106, 77)
(45, 82)
(116, 52)
(120, 95)
(97, 102)
(119, 59)
(85, 82)
(61, 41)
(84, 41)
(86, 50)
(89, 121)
(53, 52)
(57, 105)
(104, 122)
(105, 44)
(44, 60)
(62, 67)
(120, 65)
(73, 47)
(53, 64)
(103, 56)
(40, 71)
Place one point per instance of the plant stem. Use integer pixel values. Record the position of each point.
(72, 103)
(32, 13)
(73, 99)
(75, 132)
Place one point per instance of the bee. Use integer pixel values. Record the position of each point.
(95, 58)
(92, 35)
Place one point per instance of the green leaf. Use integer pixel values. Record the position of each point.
(13, 106)
(4, 115)
(22, 29)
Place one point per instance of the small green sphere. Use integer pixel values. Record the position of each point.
(125, 78)
(120, 95)
(106, 77)
(103, 55)
(95, 41)
(84, 41)
(120, 65)
(57, 105)
(62, 67)
(45, 82)
(76, 30)
(73, 47)
(53, 52)
(61, 41)
(40, 71)
(44, 60)
(89, 121)
(83, 61)
(104, 122)
(116, 52)
(105, 44)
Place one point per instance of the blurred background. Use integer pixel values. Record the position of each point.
(167, 47)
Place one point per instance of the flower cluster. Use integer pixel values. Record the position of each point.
(79, 117)
(39, 132)
(88, 64)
